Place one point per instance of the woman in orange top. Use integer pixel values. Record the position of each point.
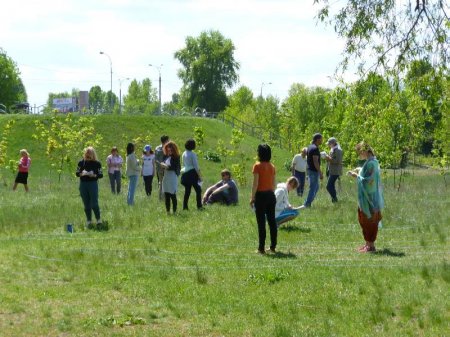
(263, 197)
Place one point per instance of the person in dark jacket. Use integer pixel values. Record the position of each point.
(89, 170)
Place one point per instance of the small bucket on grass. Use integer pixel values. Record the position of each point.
(69, 228)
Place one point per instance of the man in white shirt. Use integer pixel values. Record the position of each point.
(299, 170)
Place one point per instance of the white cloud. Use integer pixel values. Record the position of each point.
(56, 44)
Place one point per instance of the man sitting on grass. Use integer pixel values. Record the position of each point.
(284, 211)
(225, 191)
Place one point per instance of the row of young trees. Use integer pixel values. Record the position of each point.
(399, 117)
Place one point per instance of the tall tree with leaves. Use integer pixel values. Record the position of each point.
(141, 98)
(96, 99)
(12, 89)
(209, 68)
(394, 32)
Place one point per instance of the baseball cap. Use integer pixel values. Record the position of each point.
(147, 148)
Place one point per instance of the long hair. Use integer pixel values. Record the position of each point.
(174, 147)
(90, 154)
(130, 148)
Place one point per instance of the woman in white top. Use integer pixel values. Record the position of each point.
(148, 168)
(114, 162)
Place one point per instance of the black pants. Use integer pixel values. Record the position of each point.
(148, 184)
(265, 208)
(331, 188)
(190, 179)
(187, 193)
(174, 201)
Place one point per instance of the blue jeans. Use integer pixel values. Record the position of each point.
(89, 195)
(301, 181)
(313, 187)
(132, 182)
(331, 188)
(286, 215)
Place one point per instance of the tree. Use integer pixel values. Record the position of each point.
(141, 98)
(4, 142)
(209, 69)
(427, 84)
(394, 33)
(96, 99)
(242, 105)
(12, 89)
(65, 136)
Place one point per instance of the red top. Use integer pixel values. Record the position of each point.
(24, 164)
(266, 175)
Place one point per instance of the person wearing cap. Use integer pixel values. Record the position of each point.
(313, 168)
(334, 166)
(148, 168)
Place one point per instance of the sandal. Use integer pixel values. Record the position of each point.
(367, 249)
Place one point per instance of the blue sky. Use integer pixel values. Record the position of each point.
(56, 44)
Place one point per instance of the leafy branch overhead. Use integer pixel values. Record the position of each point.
(389, 34)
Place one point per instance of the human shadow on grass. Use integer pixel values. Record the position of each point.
(388, 252)
(290, 228)
(281, 255)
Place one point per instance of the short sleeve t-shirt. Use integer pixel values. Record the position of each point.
(313, 150)
(266, 175)
(300, 163)
(147, 165)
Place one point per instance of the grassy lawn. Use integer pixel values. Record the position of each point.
(197, 273)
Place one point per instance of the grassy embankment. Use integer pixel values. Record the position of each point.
(196, 273)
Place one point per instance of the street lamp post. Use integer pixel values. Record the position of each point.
(159, 72)
(110, 96)
(262, 85)
(120, 92)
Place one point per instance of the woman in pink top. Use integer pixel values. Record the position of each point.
(24, 166)
(114, 162)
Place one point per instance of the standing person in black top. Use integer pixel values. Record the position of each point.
(313, 168)
(89, 170)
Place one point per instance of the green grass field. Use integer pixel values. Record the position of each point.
(197, 273)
